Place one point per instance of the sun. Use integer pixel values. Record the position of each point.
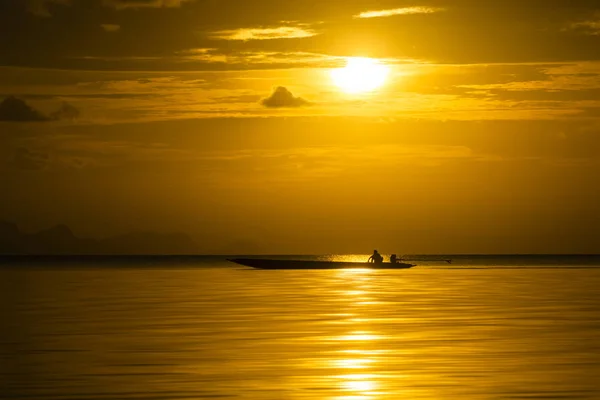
(360, 75)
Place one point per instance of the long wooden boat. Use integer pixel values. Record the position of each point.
(263, 263)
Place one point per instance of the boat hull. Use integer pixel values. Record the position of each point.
(263, 263)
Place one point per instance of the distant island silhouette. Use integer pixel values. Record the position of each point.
(60, 240)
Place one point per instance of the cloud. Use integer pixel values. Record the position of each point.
(123, 4)
(111, 27)
(24, 158)
(66, 111)
(280, 32)
(306, 163)
(589, 27)
(40, 7)
(276, 58)
(282, 97)
(398, 11)
(243, 98)
(16, 110)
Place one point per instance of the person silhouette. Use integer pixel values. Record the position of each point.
(393, 259)
(375, 258)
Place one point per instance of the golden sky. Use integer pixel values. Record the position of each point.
(458, 126)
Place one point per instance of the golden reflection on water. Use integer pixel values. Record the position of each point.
(354, 363)
(358, 386)
(357, 383)
(360, 383)
(358, 336)
(331, 335)
(361, 340)
(353, 398)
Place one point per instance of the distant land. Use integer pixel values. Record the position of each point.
(60, 240)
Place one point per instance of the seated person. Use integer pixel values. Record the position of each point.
(376, 257)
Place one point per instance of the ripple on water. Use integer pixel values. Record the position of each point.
(231, 333)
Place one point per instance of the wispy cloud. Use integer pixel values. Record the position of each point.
(311, 162)
(40, 7)
(122, 4)
(118, 58)
(300, 58)
(203, 54)
(280, 32)
(275, 59)
(111, 27)
(399, 11)
(589, 27)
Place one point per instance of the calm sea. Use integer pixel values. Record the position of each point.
(483, 327)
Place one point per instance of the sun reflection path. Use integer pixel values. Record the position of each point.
(364, 350)
(354, 363)
(359, 382)
(364, 385)
(364, 360)
(358, 347)
(359, 336)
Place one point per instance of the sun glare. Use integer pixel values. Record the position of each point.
(360, 75)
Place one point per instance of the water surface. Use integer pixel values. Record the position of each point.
(205, 329)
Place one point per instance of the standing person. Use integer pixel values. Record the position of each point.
(393, 259)
(376, 258)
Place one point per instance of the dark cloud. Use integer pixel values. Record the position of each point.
(120, 4)
(16, 110)
(117, 96)
(13, 109)
(41, 8)
(111, 27)
(282, 97)
(29, 160)
(66, 111)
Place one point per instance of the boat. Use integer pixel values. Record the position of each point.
(264, 263)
